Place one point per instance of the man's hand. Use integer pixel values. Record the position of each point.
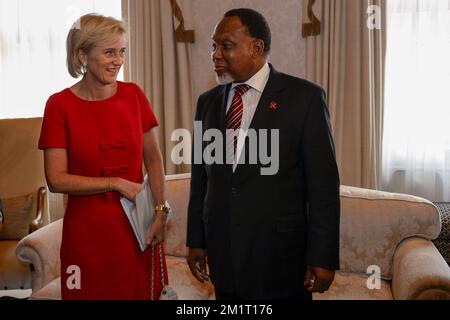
(197, 263)
(318, 279)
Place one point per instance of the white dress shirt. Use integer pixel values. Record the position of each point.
(250, 100)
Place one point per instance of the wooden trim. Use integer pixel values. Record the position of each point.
(182, 34)
(312, 28)
(39, 218)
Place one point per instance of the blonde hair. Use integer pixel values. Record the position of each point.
(85, 34)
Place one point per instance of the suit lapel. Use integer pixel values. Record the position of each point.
(262, 116)
(223, 99)
(263, 112)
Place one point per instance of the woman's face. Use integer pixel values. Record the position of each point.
(105, 60)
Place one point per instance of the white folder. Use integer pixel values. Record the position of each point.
(142, 214)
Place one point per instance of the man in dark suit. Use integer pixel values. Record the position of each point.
(264, 236)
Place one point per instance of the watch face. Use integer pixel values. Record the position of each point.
(165, 208)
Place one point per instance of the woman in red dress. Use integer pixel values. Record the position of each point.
(96, 136)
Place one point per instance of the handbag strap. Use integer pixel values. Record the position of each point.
(152, 297)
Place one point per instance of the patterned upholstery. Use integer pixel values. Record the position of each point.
(443, 242)
(350, 286)
(374, 223)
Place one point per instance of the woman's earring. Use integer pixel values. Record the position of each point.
(84, 68)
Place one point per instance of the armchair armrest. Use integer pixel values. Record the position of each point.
(419, 272)
(41, 250)
(42, 213)
(374, 223)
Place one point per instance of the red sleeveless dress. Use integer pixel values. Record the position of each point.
(102, 138)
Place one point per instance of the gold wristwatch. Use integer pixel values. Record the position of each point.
(163, 208)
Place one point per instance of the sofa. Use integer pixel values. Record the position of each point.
(386, 249)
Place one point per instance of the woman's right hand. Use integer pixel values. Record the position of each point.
(127, 188)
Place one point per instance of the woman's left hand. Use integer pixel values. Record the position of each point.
(156, 232)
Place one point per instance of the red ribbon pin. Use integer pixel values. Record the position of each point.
(273, 105)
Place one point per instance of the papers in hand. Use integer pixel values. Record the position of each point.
(142, 214)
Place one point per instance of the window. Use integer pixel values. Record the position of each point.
(32, 50)
(416, 146)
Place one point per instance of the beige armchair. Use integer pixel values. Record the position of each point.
(24, 195)
(389, 231)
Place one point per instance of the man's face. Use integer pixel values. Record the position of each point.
(233, 51)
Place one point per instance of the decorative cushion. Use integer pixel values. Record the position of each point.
(18, 212)
(443, 245)
(443, 242)
(444, 211)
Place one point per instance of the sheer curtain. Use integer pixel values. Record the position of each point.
(32, 50)
(416, 146)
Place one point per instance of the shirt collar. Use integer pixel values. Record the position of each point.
(259, 80)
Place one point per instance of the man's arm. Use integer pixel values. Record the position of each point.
(195, 230)
(322, 180)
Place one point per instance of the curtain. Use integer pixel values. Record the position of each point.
(32, 50)
(416, 146)
(347, 60)
(161, 66)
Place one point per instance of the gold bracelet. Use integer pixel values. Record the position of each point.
(110, 185)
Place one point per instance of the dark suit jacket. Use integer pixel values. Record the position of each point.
(260, 231)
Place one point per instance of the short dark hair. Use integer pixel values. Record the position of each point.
(256, 24)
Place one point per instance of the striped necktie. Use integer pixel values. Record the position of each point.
(233, 117)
